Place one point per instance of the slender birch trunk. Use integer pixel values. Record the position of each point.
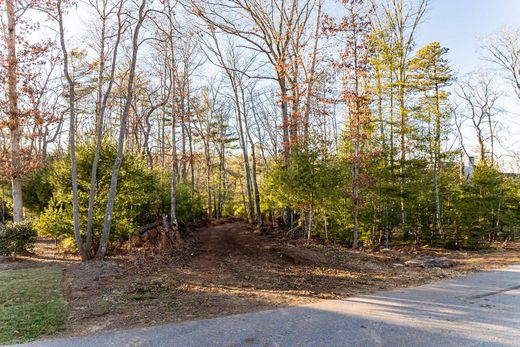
(72, 134)
(122, 130)
(101, 106)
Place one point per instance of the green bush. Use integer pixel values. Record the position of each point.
(189, 205)
(37, 188)
(310, 179)
(16, 237)
(140, 197)
(54, 221)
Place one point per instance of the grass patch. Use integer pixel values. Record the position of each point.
(31, 303)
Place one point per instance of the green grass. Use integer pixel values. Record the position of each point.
(31, 303)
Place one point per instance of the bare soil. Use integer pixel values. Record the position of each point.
(230, 268)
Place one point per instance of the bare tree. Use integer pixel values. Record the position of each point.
(172, 70)
(480, 103)
(272, 29)
(229, 61)
(504, 51)
(142, 14)
(72, 131)
(104, 11)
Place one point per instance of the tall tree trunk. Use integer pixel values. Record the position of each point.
(286, 148)
(173, 213)
(208, 176)
(183, 138)
(402, 145)
(101, 105)
(482, 149)
(436, 162)
(311, 214)
(391, 121)
(162, 139)
(357, 140)
(173, 84)
(99, 135)
(72, 134)
(245, 156)
(184, 98)
(190, 139)
(311, 77)
(325, 225)
(122, 130)
(258, 212)
(14, 116)
(221, 149)
(379, 93)
(355, 186)
(175, 168)
(491, 138)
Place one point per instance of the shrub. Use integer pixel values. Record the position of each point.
(54, 222)
(138, 199)
(17, 237)
(142, 197)
(189, 206)
(37, 188)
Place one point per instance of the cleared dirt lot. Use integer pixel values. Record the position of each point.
(229, 268)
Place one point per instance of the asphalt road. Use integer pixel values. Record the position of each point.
(480, 310)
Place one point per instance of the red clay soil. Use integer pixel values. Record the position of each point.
(229, 268)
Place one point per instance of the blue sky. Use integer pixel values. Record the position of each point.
(464, 26)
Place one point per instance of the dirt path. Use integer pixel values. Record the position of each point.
(225, 240)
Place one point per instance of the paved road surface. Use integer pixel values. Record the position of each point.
(481, 310)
